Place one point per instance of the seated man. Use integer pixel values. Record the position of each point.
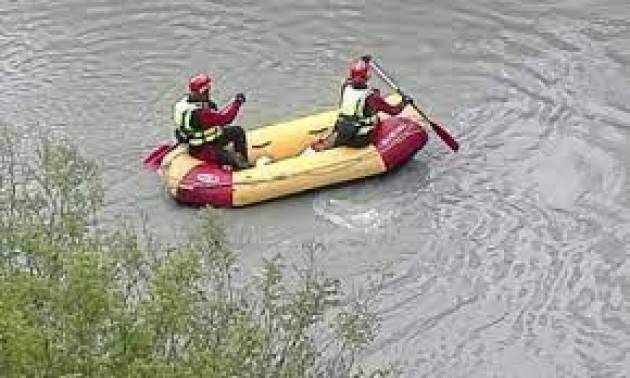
(359, 106)
(203, 127)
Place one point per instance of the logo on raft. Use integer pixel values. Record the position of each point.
(208, 179)
(394, 136)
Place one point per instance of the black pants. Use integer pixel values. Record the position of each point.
(236, 135)
(217, 149)
(347, 134)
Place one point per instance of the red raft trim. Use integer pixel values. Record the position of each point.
(397, 139)
(206, 184)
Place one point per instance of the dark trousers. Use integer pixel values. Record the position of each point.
(234, 134)
(217, 151)
(347, 134)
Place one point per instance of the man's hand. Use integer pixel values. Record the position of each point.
(240, 98)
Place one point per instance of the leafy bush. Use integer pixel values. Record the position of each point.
(78, 301)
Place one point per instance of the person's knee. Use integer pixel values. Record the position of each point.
(237, 130)
(237, 133)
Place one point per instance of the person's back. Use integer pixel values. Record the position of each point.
(358, 110)
(204, 128)
(356, 118)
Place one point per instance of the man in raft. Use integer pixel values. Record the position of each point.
(358, 109)
(202, 125)
(359, 106)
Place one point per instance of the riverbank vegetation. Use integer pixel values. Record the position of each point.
(81, 299)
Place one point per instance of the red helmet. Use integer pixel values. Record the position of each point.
(359, 71)
(199, 83)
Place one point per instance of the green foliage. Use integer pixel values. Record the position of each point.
(78, 301)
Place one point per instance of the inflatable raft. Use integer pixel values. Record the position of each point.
(194, 182)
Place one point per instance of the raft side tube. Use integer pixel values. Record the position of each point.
(206, 184)
(303, 173)
(397, 140)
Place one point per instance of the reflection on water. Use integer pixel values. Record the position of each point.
(509, 258)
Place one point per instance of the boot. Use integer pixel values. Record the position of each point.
(240, 162)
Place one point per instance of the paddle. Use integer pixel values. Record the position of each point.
(439, 129)
(153, 160)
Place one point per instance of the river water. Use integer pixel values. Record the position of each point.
(508, 259)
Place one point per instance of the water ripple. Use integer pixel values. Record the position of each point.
(509, 258)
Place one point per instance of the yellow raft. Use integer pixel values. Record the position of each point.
(289, 170)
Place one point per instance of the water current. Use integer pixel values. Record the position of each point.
(508, 259)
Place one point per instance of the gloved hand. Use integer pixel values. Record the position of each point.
(407, 100)
(240, 98)
(366, 58)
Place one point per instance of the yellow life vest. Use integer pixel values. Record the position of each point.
(352, 109)
(194, 135)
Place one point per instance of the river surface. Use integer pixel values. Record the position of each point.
(508, 259)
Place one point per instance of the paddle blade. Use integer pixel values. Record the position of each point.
(446, 137)
(153, 160)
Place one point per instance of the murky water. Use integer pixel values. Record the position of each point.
(509, 259)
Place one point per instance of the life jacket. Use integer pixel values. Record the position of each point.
(189, 131)
(352, 108)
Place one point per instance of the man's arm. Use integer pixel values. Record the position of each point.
(208, 117)
(378, 104)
